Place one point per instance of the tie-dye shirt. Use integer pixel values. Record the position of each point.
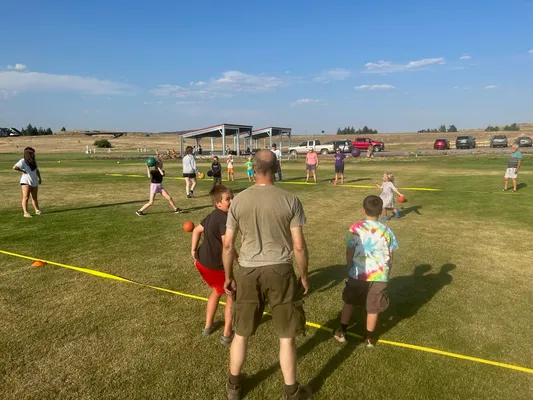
(373, 243)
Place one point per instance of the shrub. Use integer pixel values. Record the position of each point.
(103, 144)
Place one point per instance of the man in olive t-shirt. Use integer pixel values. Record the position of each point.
(270, 221)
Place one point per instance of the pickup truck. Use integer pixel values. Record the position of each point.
(302, 148)
(365, 143)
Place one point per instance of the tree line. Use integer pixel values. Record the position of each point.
(31, 130)
(440, 129)
(513, 127)
(350, 130)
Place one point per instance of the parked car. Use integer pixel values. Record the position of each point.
(365, 143)
(498, 141)
(524, 141)
(465, 142)
(345, 145)
(303, 147)
(441, 144)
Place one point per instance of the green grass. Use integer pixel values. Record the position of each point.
(460, 283)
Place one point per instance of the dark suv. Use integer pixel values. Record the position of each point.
(465, 142)
(498, 141)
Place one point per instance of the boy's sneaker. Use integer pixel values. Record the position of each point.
(234, 391)
(27, 215)
(385, 218)
(303, 392)
(340, 336)
(397, 214)
(370, 342)
(209, 331)
(226, 340)
(178, 210)
(139, 213)
(38, 212)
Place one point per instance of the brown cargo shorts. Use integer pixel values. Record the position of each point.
(276, 284)
(372, 295)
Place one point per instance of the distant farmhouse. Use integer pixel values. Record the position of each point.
(9, 132)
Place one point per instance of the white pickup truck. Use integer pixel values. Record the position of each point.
(303, 148)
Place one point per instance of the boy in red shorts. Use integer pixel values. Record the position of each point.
(208, 259)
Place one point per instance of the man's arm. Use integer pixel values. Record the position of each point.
(228, 254)
(518, 166)
(301, 254)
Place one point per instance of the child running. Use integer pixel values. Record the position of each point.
(369, 247)
(29, 180)
(156, 174)
(189, 171)
(250, 169)
(387, 195)
(208, 259)
(339, 165)
(229, 161)
(216, 168)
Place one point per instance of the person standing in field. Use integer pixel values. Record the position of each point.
(231, 174)
(189, 171)
(387, 195)
(339, 165)
(513, 165)
(277, 152)
(216, 168)
(250, 169)
(270, 221)
(311, 164)
(29, 180)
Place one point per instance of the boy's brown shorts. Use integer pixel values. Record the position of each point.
(372, 295)
(276, 284)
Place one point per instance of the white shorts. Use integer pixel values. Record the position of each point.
(511, 173)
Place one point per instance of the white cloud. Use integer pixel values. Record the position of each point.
(300, 102)
(334, 74)
(530, 51)
(230, 82)
(188, 102)
(387, 67)
(18, 67)
(465, 58)
(14, 82)
(491, 87)
(374, 87)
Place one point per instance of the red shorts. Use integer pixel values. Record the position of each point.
(214, 278)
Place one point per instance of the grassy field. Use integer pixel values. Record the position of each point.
(461, 282)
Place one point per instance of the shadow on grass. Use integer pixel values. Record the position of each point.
(407, 210)
(521, 186)
(96, 206)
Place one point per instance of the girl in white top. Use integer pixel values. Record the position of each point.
(387, 195)
(231, 174)
(189, 171)
(29, 180)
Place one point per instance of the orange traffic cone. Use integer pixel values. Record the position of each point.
(38, 264)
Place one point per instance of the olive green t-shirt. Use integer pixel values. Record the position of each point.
(265, 215)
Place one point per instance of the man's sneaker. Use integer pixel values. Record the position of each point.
(234, 391)
(139, 213)
(370, 342)
(27, 215)
(340, 336)
(38, 212)
(303, 392)
(178, 210)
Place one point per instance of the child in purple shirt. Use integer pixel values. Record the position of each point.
(339, 165)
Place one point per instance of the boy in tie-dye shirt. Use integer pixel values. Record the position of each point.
(369, 247)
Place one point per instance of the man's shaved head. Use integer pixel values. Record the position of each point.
(265, 162)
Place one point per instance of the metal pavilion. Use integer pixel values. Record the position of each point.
(269, 133)
(219, 131)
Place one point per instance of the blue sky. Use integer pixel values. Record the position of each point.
(310, 65)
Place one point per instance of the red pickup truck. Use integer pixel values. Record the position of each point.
(365, 143)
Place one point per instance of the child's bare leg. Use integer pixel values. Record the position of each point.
(336, 178)
(25, 197)
(212, 304)
(193, 183)
(506, 182)
(346, 314)
(314, 175)
(35, 190)
(371, 323)
(169, 198)
(227, 317)
(149, 204)
(187, 185)
(384, 213)
(514, 185)
(307, 175)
